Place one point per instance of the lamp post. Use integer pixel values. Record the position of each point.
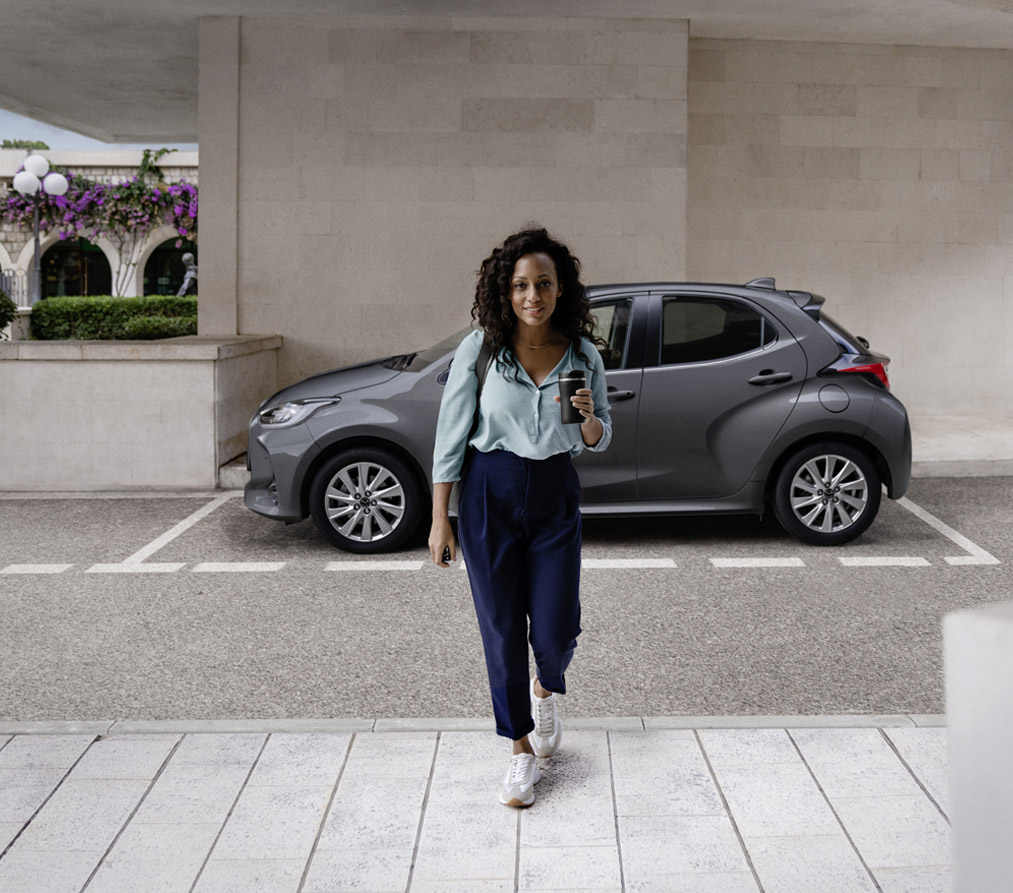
(28, 182)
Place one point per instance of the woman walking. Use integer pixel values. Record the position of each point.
(518, 515)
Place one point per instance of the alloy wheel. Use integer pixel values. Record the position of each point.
(364, 502)
(829, 493)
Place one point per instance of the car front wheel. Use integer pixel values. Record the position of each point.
(365, 500)
(827, 493)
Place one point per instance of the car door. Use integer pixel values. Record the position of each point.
(721, 381)
(611, 476)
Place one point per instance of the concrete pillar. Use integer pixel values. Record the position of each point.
(218, 132)
(978, 652)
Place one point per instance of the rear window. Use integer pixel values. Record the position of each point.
(845, 340)
(698, 329)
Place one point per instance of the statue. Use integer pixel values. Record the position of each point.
(189, 286)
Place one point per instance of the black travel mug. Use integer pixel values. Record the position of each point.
(568, 384)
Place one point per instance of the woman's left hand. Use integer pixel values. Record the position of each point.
(590, 428)
(583, 401)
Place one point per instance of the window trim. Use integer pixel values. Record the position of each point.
(633, 351)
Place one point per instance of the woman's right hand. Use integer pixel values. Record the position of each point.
(441, 536)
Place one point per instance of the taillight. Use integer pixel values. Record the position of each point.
(877, 369)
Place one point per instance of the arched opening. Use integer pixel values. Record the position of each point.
(164, 271)
(75, 267)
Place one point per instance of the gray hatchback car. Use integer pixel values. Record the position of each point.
(725, 399)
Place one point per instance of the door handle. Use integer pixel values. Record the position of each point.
(769, 376)
(615, 396)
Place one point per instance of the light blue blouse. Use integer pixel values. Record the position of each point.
(514, 413)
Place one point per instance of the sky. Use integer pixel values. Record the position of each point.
(18, 127)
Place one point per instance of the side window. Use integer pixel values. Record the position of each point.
(694, 330)
(612, 322)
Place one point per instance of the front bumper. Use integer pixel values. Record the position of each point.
(279, 459)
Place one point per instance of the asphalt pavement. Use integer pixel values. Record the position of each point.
(237, 616)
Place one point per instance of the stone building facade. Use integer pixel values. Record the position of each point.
(16, 242)
(357, 169)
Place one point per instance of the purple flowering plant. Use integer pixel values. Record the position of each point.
(125, 213)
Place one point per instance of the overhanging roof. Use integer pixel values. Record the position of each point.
(126, 70)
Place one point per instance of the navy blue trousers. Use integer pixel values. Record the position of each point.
(519, 527)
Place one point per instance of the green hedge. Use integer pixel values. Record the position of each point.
(109, 319)
(8, 311)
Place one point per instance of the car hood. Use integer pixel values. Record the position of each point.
(335, 382)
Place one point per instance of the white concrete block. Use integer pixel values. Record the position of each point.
(374, 814)
(925, 752)
(776, 800)
(726, 748)
(46, 871)
(25, 790)
(978, 657)
(275, 822)
(44, 751)
(300, 760)
(192, 795)
(386, 868)
(83, 816)
(569, 867)
(895, 832)
(659, 846)
(243, 875)
(804, 864)
(138, 758)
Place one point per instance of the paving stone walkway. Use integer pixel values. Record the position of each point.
(697, 810)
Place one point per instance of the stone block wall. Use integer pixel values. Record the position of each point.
(381, 159)
(881, 177)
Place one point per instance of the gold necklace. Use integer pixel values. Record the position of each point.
(534, 346)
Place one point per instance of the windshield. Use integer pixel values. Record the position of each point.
(430, 355)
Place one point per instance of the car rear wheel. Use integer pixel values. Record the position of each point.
(827, 493)
(365, 500)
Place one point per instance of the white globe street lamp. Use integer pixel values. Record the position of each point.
(28, 182)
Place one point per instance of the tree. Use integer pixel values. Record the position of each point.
(23, 144)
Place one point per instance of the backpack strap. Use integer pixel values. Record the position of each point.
(482, 366)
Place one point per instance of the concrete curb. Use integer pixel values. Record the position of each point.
(465, 724)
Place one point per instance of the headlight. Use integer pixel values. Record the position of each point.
(294, 412)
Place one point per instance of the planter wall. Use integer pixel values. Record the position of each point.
(104, 415)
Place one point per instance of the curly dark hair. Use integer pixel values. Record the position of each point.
(493, 309)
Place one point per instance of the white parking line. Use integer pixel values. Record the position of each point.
(238, 567)
(977, 554)
(757, 562)
(375, 565)
(36, 568)
(135, 564)
(596, 563)
(882, 561)
(173, 532)
(151, 567)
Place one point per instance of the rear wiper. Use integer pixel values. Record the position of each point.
(400, 361)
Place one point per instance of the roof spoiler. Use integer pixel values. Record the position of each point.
(809, 303)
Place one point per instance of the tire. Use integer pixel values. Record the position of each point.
(354, 516)
(827, 516)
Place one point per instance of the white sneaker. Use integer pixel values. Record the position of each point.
(548, 731)
(521, 778)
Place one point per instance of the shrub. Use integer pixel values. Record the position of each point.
(148, 327)
(107, 318)
(8, 311)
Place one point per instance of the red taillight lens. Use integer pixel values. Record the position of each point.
(877, 369)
